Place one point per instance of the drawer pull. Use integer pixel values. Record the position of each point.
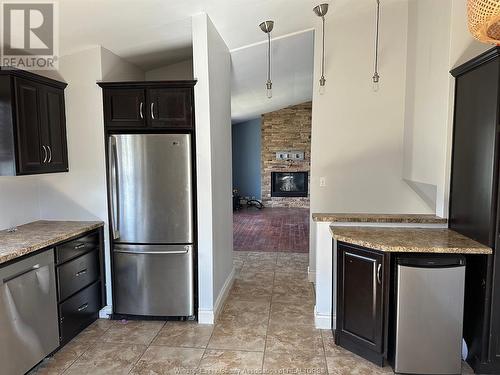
(83, 307)
(81, 273)
(80, 246)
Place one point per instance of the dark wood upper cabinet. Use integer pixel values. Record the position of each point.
(148, 105)
(125, 108)
(361, 296)
(474, 193)
(170, 107)
(32, 124)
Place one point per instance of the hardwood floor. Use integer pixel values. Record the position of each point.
(271, 229)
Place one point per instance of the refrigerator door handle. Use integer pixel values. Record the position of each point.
(113, 187)
(151, 252)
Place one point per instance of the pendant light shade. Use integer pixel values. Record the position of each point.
(320, 11)
(484, 20)
(267, 27)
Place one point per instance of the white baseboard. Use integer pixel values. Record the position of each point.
(311, 275)
(105, 312)
(323, 321)
(209, 316)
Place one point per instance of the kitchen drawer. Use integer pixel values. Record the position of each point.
(79, 311)
(77, 274)
(76, 247)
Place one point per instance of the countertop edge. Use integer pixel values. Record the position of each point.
(377, 218)
(53, 241)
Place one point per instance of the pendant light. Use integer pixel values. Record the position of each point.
(321, 11)
(267, 27)
(484, 20)
(376, 76)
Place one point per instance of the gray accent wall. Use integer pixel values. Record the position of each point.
(246, 157)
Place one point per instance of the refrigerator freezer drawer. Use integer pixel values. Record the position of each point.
(153, 280)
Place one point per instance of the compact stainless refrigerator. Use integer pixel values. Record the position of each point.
(151, 208)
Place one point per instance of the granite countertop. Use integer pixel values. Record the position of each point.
(409, 240)
(378, 218)
(40, 234)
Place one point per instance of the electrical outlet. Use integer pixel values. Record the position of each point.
(322, 181)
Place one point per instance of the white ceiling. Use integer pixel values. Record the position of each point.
(155, 33)
(292, 76)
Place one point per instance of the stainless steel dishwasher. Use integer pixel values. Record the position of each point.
(28, 313)
(429, 314)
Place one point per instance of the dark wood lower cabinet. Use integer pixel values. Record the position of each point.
(80, 283)
(362, 301)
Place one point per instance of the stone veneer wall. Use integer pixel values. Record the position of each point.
(288, 129)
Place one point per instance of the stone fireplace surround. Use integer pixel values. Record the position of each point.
(282, 130)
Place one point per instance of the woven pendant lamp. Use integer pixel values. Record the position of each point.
(484, 20)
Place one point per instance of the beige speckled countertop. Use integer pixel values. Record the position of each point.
(409, 240)
(379, 218)
(40, 234)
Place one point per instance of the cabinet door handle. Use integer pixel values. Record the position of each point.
(50, 155)
(81, 273)
(45, 154)
(83, 307)
(141, 113)
(153, 111)
(379, 273)
(79, 246)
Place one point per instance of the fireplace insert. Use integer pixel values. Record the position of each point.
(289, 184)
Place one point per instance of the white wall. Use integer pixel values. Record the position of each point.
(357, 133)
(213, 156)
(179, 71)
(19, 200)
(426, 109)
(80, 194)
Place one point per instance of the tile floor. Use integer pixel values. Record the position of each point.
(266, 326)
(271, 229)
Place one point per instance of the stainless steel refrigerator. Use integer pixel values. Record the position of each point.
(151, 198)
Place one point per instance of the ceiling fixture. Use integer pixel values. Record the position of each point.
(321, 11)
(376, 76)
(267, 27)
(484, 20)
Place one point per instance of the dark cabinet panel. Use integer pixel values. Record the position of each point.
(53, 126)
(33, 109)
(474, 201)
(31, 154)
(79, 311)
(170, 107)
(360, 301)
(149, 105)
(125, 108)
(475, 134)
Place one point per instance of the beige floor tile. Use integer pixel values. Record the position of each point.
(97, 329)
(332, 350)
(235, 336)
(296, 362)
(292, 262)
(259, 266)
(107, 359)
(240, 255)
(230, 361)
(254, 276)
(184, 334)
(250, 291)
(245, 312)
(166, 360)
(292, 313)
(133, 332)
(64, 358)
(285, 337)
(262, 256)
(290, 289)
(354, 365)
